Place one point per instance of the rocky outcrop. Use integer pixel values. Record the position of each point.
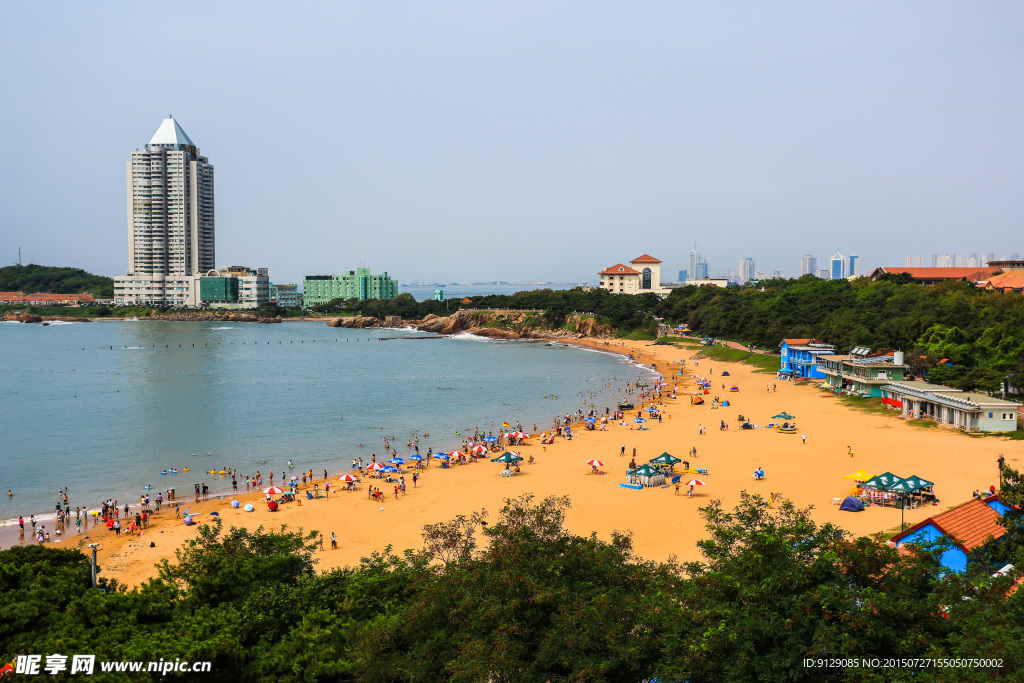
(355, 322)
(24, 318)
(511, 325)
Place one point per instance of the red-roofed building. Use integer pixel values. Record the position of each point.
(45, 299)
(968, 526)
(641, 276)
(1012, 281)
(931, 276)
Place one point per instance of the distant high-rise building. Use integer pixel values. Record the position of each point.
(935, 260)
(822, 273)
(746, 271)
(170, 220)
(702, 270)
(682, 276)
(852, 271)
(910, 262)
(694, 262)
(919, 260)
(989, 257)
(837, 269)
(808, 264)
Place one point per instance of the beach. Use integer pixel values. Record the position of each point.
(663, 524)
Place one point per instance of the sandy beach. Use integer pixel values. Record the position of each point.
(662, 523)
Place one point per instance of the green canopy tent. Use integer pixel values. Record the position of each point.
(645, 475)
(917, 483)
(664, 459)
(783, 416)
(883, 482)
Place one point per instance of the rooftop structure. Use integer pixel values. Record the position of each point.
(45, 299)
(965, 410)
(802, 357)
(931, 276)
(968, 526)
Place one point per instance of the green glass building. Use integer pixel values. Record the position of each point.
(355, 284)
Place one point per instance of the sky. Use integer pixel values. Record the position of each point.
(522, 141)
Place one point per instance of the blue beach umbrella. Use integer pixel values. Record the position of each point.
(652, 410)
(389, 469)
(415, 457)
(396, 461)
(639, 419)
(249, 507)
(491, 438)
(441, 456)
(590, 419)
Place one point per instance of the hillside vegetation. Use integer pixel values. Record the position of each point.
(35, 278)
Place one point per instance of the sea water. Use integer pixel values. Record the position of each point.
(104, 407)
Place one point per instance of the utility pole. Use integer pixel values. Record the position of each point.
(94, 546)
(19, 256)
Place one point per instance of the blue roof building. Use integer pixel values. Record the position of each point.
(800, 357)
(968, 526)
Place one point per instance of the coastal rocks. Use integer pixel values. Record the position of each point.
(24, 318)
(215, 317)
(511, 325)
(355, 322)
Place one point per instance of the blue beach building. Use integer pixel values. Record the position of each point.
(800, 357)
(968, 526)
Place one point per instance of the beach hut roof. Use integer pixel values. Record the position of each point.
(664, 459)
(968, 525)
(883, 481)
(644, 471)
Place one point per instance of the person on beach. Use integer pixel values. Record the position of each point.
(415, 478)
(804, 437)
(21, 524)
(334, 541)
(849, 451)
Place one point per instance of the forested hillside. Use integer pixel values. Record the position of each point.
(36, 278)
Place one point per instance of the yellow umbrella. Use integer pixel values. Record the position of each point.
(859, 475)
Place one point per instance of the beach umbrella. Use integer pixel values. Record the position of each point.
(249, 507)
(783, 416)
(416, 457)
(521, 435)
(507, 456)
(389, 469)
(273, 490)
(478, 449)
(492, 439)
(396, 461)
(695, 482)
(215, 514)
(235, 504)
(595, 463)
(188, 519)
(454, 454)
(652, 410)
(591, 420)
(639, 420)
(295, 477)
(348, 477)
(441, 456)
(376, 467)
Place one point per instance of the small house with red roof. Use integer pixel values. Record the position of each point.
(801, 357)
(933, 276)
(968, 526)
(641, 276)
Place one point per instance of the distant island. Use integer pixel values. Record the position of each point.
(34, 278)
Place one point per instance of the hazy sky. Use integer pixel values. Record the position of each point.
(464, 141)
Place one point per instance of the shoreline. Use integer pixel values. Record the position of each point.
(663, 525)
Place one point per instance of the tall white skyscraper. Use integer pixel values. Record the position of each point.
(747, 269)
(692, 270)
(854, 264)
(808, 264)
(170, 219)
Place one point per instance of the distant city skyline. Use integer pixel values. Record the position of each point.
(567, 132)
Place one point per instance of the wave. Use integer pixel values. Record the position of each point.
(467, 336)
(223, 328)
(62, 322)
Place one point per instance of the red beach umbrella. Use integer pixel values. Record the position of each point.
(376, 467)
(273, 490)
(694, 482)
(348, 477)
(595, 463)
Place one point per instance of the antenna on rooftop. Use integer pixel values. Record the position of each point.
(19, 256)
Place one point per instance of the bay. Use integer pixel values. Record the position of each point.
(104, 407)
